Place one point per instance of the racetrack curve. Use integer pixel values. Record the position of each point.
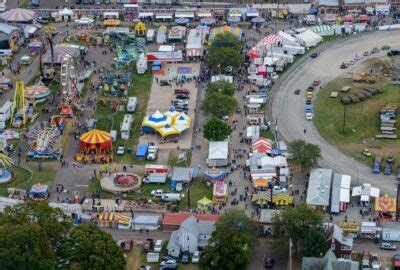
(288, 108)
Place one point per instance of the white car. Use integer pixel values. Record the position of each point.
(376, 265)
(309, 116)
(196, 257)
(152, 154)
(158, 246)
(351, 62)
(121, 150)
(157, 193)
(3, 7)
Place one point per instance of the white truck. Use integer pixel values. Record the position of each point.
(171, 197)
(5, 113)
(382, 10)
(141, 64)
(131, 106)
(152, 257)
(126, 126)
(150, 35)
(155, 178)
(152, 152)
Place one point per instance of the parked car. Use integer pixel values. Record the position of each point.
(182, 91)
(158, 246)
(366, 153)
(185, 257)
(269, 263)
(169, 263)
(388, 246)
(196, 257)
(316, 82)
(120, 150)
(396, 261)
(182, 96)
(308, 101)
(297, 92)
(315, 55)
(351, 62)
(388, 169)
(376, 168)
(309, 116)
(148, 245)
(167, 258)
(164, 83)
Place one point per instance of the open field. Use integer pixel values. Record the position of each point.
(362, 119)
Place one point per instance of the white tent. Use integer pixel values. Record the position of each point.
(308, 38)
(84, 21)
(288, 39)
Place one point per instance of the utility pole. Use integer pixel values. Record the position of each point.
(344, 118)
(290, 253)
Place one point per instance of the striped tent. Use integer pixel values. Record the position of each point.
(261, 145)
(96, 139)
(168, 130)
(156, 120)
(172, 113)
(111, 22)
(183, 119)
(323, 30)
(208, 21)
(260, 182)
(18, 15)
(37, 91)
(235, 31)
(182, 21)
(280, 199)
(270, 40)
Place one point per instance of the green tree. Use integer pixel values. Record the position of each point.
(314, 244)
(220, 58)
(231, 242)
(50, 222)
(305, 154)
(216, 130)
(20, 248)
(219, 105)
(227, 40)
(223, 87)
(89, 248)
(295, 223)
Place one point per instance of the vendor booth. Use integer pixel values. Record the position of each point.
(39, 192)
(204, 204)
(385, 208)
(220, 194)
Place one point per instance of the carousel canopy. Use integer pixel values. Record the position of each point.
(112, 22)
(204, 201)
(18, 15)
(261, 145)
(208, 21)
(39, 189)
(214, 173)
(5, 161)
(37, 91)
(183, 21)
(96, 136)
(234, 31)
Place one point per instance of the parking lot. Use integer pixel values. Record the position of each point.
(162, 97)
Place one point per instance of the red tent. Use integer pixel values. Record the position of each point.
(363, 18)
(348, 18)
(262, 70)
(253, 53)
(261, 145)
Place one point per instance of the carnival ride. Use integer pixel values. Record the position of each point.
(95, 146)
(39, 192)
(220, 192)
(19, 108)
(5, 162)
(69, 88)
(140, 29)
(120, 182)
(47, 73)
(45, 140)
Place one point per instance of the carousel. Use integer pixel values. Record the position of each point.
(5, 162)
(37, 93)
(95, 146)
(214, 174)
(140, 29)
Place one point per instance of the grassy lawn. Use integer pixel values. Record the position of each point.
(267, 134)
(173, 155)
(362, 119)
(198, 190)
(108, 120)
(22, 176)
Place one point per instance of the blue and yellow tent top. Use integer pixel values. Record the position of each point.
(18, 15)
(234, 31)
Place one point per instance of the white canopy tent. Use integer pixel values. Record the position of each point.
(308, 38)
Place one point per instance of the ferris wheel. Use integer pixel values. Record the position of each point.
(45, 140)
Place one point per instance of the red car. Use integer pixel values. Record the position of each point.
(316, 82)
(182, 92)
(396, 261)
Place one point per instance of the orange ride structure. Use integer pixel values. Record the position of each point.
(95, 146)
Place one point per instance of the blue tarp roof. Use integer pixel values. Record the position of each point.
(157, 63)
(142, 150)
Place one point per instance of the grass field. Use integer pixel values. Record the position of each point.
(23, 179)
(362, 119)
(108, 120)
(198, 190)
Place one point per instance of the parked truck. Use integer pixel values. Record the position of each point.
(171, 197)
(155, 178)
(131, 106)
(376, 168)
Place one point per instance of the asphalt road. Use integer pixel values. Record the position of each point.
(291, 122)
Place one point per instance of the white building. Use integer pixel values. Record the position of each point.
(319, 188)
